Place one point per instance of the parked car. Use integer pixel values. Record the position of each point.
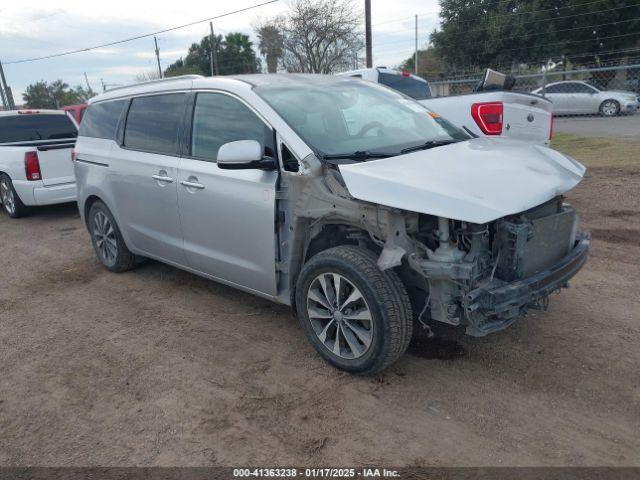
(515, 115)
(356, 206)
(35, 159)
(580, 98)
(76, 111)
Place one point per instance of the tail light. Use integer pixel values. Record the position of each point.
(32, 166)
(73, 155)
(405, 73)
(488, 116)
(551, 128)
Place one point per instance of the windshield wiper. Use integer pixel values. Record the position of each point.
(359, 156)
(428, 145)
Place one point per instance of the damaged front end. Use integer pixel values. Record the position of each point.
(484, 277)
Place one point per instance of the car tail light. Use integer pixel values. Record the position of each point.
(28, 112)
(32, 166)
(488, 116)
(405, 73)
(73, 155)
(551, 128)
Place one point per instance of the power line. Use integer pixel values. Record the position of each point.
(138, 37)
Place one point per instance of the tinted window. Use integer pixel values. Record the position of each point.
(218, 119)
(582, 88)
(410, 86)
(101, 119)
(554, 89)
(153, 122)
(29, 127)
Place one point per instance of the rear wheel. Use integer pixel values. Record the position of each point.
(10, 200)
(609, 108)
(108, 241)
(357, 317)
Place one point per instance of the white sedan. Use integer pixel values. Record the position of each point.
(580, 98)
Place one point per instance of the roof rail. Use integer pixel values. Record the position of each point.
(159, 80)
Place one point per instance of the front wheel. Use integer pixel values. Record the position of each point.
(609, 108)
(10, 200)
(357, 317)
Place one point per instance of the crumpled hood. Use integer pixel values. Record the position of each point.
(477, 181)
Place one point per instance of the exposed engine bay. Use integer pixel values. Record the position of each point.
(477, 276)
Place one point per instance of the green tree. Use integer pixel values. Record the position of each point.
(270, 44)
(430, 65)
(503, 33)
(54, 95)
(235, 55)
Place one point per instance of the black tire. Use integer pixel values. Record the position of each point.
(386, 299)
(115, 255)
(12, 205)
(609, 108)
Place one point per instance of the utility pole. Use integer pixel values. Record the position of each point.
(415, 62)
(367, 34)
(86, 79)
(214, 52)
(7, 96)
(155, 40)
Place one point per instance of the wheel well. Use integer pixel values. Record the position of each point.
(333, 235)
(91, 199)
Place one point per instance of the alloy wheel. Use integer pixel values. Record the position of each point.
(339, 315)
(6, 193)
(609, 108)
(105, 238)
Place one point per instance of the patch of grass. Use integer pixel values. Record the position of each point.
(597, 151)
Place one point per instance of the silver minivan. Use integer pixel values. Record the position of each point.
(357, 206)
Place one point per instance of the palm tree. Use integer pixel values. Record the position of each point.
(270, 45)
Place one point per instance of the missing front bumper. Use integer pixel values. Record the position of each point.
(498, 304)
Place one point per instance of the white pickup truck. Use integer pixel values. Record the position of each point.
(519, 116)
(36, 167)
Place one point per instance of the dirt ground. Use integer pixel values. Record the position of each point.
(160, 367)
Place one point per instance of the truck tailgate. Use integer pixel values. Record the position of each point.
(526, 117)
(56, 165)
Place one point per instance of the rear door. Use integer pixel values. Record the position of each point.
(526, 117)
(53, 135)
(228, 216)
(144, 176)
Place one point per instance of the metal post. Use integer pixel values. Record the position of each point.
(104, 87)
(158, 57)
(367, 35)
(8, 96)
(86, 79)
(214, 49)
(415, 62)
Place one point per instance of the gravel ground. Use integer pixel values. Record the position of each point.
(160, 367)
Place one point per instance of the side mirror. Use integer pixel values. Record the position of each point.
(244, 155)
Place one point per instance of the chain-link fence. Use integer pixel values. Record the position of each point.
(607, 91)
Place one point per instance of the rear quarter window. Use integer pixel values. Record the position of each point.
(101, 119)
(35, 127)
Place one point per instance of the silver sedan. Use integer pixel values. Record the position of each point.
(580, 98)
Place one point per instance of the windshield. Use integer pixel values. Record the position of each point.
(408, 85)
(356, 116)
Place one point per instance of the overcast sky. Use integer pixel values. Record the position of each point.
(35, 28)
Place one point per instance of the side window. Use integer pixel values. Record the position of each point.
(582, 88)
(101, 119)
(153, 123)
(219, 119)
(554, 89)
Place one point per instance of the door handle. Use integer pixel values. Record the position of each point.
(199, 186)
(162, 178)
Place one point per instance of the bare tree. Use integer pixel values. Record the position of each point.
(270, 44)
(320, 36)
(147, 76)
